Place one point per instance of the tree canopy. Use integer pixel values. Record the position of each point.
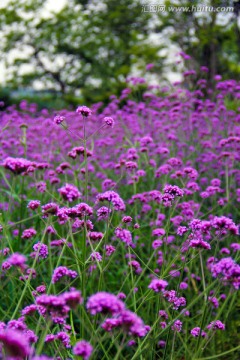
(89, 45)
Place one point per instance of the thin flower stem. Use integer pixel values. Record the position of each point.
(203, 276)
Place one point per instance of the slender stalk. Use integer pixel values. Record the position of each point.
(173, 343)
(203, 277)
(227, 183)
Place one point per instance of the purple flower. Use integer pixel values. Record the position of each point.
(83, 348)
(41, 250)
(49, 209)
(33, 204)
(28, 233)
(19, 165)
(158, 285)
(196, 332)
(110, 250)
(103, 302)
(18, 260)
(84, 111)
(103, 213)
(163, 314)
(114, 198)
(96, 256)
(58, 119)
(216, 325)
(69, 192)
(64, 338)
(228, 270)
(124, 235)
(177, 326)
(158, 232)
(109, 121)
(200, 244)
(72, 298)
(61, 271)
(15, 343)
(127, 219)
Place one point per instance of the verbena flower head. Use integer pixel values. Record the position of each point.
(63, 271)
(228, 270)
(41, 250)
(18, 165)
(83, 348)
(58, 119)
(112, 197)
(28, 233)
(216, 325)
(177, 326)
(196, 332)
(124, 235)
(34, 204)
(84, 111)
(69, 192)
(103, 302)
(109, 121)
(158, 285)
(15, 343)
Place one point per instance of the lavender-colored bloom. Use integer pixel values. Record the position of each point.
(18, 260)
(132, 323)
(34, 204)
(127, 219)
(110, 250)
(28, 233)
(72, 298)
(105, 303)
(96, 256)
(103, 212)
(183, 285)
(19, 165)
(163, 314)
(124, 235)
(228, 270)
(158, 285)
(64, 338)
(196, 332)
(216, 325)
(137, 267)
(199, 243)
(62, 271)
(158, 232)
(84, 111)
(162, 343)
(41, 250)
(58, 119)
(214, 301)
(69, 192)
(83, 348)
(177, 326)
(15, 343)
(112, 197)
(49, 209)
(109, 121)
(156, 244)
(29, 310)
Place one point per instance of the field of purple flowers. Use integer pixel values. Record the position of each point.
(119, 227)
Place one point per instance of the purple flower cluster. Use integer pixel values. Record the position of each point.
(62, 271)
(112, 197)
(228, 271)
(69, 192)
(84, 349)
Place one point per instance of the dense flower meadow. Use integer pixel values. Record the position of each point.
(119, 227)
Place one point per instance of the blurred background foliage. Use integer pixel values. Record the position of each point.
(86, 50)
